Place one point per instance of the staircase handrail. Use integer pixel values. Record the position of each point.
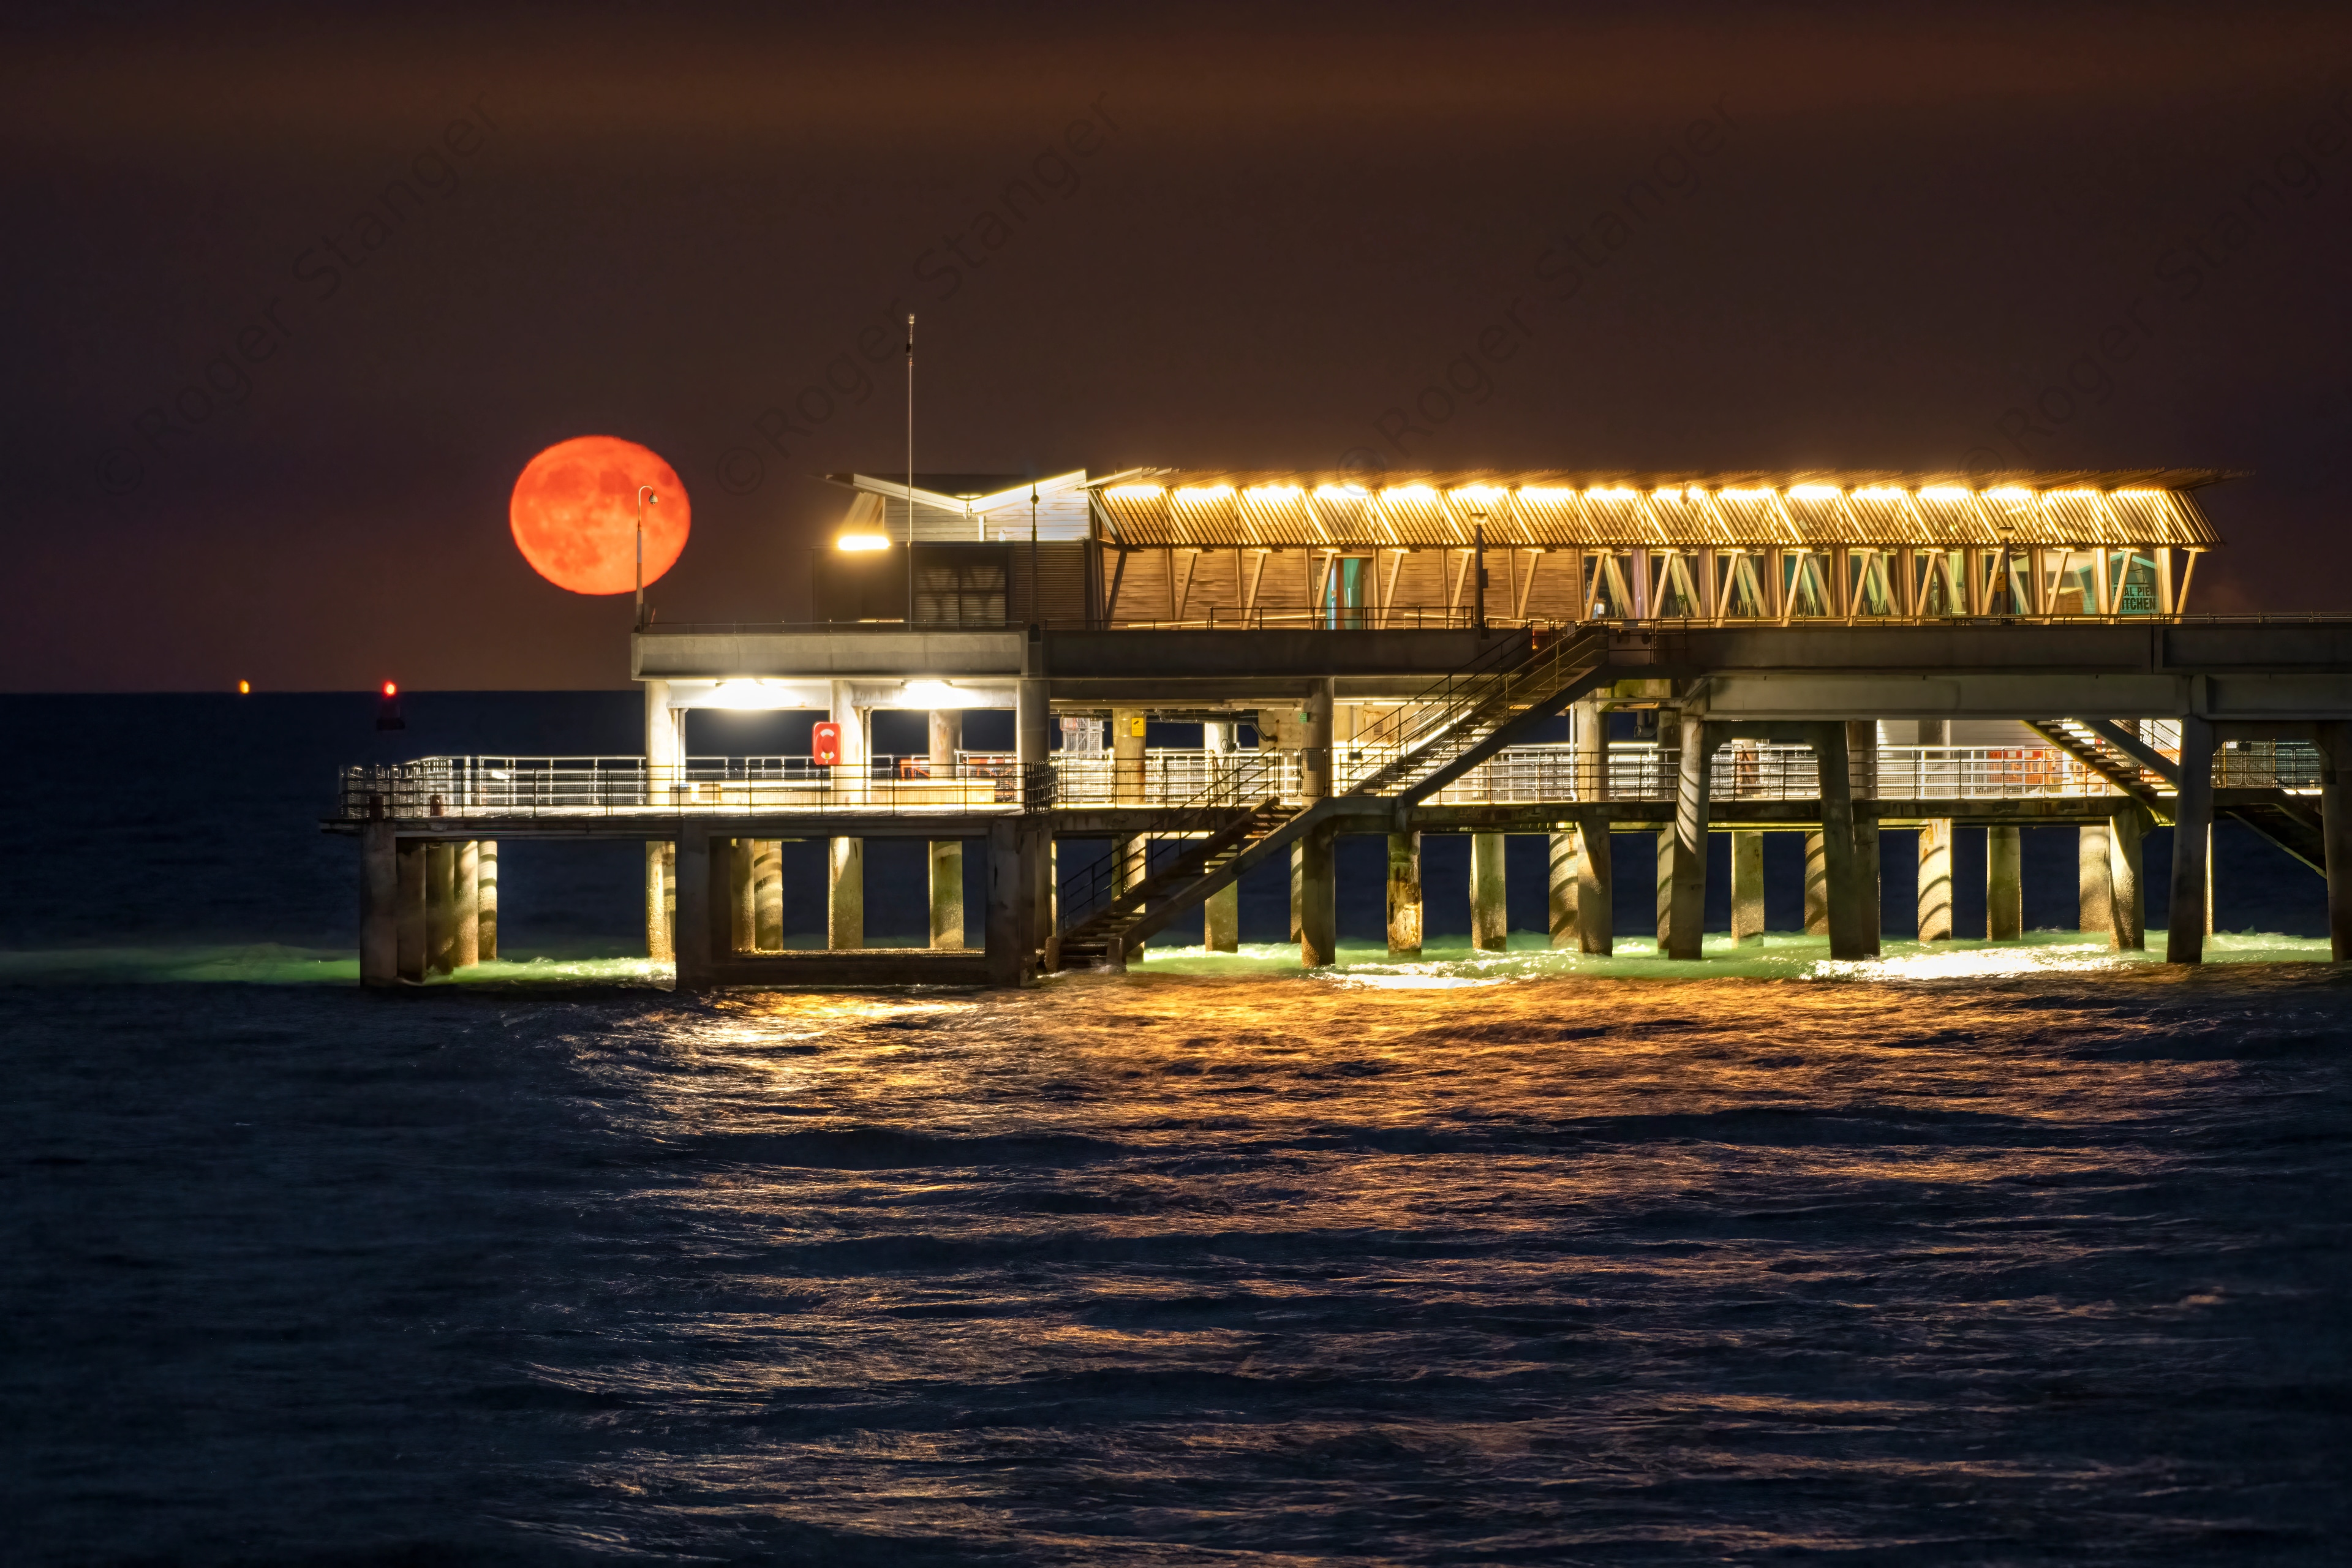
(1458, 700)
(1079, 894)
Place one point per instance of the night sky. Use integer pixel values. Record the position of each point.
(292, 296)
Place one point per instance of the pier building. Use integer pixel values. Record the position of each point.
(1580, 656)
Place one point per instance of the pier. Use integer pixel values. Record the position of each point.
(1575, 656)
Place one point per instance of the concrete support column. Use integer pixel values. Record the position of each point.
(2335, 832)
(665, 744)
(1032, 713)
(1297, 872)
(1817, 886)
(946, 861)
(1862, 758)
(441, 908)
(1596, 891)
(665, 785)
(1127, 760)
(1560, 887)
(485, 899)
(1748, 890)
(768, 894)
(1314, 761)
(379, 905)
(1318, 905)
(1221, 913)
(1662, 892)
(2004, 882)
(410, 957)
(704, 902)
(1936, 881)
(1840, 864)
(465, 905)
(1006, 923)
(947, 893)
(742, 896)
(1591, 726)
(1131, 867)
(2095, 878)
(1220, 919)
(2127, 930)
(661, 901)
(1404, 894)
(2192, 830)
(1686, 898)
(845, 893)
(1490, 913)
(946, 740)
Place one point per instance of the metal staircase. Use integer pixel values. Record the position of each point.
(1450, 729)
(2087, 741)
(1478, 710)
(1200, 869)
(2125, 760)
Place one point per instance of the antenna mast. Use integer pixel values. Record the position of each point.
(910, 468)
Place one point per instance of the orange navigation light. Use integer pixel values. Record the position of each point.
(390, 688)
(245, 689)
(387, 707)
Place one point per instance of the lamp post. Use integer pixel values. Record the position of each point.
(644, 493)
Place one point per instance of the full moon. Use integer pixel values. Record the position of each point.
(574, 514)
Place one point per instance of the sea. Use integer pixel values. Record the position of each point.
(2034, 1253)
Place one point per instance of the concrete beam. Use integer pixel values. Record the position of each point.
(847, 653)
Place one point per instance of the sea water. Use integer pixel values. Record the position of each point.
(1977, 1253)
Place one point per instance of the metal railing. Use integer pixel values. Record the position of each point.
(1196, 782)
(1220, 784)
(609, 787)
(1439, 618)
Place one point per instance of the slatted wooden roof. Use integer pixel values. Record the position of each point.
(1619, 510)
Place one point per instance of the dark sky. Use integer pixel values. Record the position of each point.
(1703, 237)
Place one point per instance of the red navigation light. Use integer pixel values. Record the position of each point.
(387, 707)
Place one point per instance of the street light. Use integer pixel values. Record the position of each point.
(644, 493)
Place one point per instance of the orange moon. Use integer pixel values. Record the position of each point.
(574, 514)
